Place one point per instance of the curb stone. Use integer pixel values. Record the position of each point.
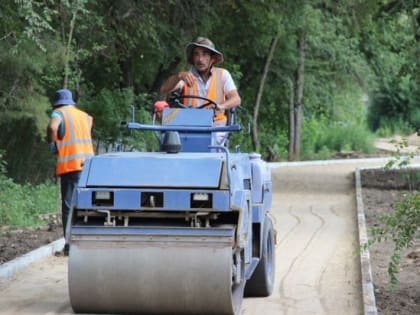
(369, 301)
(9, 269)
(368, 293)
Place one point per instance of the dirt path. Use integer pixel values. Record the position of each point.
(408, 144)
(317, 270)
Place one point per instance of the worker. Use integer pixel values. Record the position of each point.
(69, 136)
(204, 79)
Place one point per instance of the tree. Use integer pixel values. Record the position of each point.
(255, 140)
(295, 122)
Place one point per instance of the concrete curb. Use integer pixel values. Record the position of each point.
(369, 302)
(9, 269)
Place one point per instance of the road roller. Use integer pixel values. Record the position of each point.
(185, 230)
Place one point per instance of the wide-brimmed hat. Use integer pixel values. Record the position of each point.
(63, 97)
(204, 43)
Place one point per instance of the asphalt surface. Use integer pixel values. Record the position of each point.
(317, 267)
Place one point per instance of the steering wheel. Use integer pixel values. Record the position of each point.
(207, 102)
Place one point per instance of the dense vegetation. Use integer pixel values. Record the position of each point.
(315, 77)
(22, 204)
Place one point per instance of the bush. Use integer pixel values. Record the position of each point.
(395, 105)
(401, 227)
(322, 138)
(20, 205)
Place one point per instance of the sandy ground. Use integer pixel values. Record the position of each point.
(317, 270)
(409, 144)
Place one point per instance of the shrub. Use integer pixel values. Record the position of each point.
(21, 204)
(401, 227)
(322, 138)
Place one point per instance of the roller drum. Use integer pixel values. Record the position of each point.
(148, 273)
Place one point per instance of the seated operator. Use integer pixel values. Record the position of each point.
(205, 80)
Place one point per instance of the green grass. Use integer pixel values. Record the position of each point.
(321, 139)
(20, 205)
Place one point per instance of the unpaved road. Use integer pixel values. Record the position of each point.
(318, 272)
(317, 269)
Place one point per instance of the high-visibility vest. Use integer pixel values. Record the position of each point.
(215, 92)
(76, 145)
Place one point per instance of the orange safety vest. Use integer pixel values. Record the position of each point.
(215, 92)
(76, 145)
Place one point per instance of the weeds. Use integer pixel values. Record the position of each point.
(402, 227)
(20, 205)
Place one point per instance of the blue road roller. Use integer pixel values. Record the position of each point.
(185, 230)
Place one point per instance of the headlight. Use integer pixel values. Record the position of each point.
(103, 198)
(201, 200)
(200, 197)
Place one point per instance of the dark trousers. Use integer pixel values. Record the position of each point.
(68, 184)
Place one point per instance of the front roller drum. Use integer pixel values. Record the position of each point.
(149, 273)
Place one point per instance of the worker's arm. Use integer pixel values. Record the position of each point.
(52, 132)
(171, 84)
(232, 100)
(52, 129)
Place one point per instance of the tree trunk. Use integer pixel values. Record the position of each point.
(127, 71)
(255, 140)
(68, 47)
(292, 126)
(299, 96)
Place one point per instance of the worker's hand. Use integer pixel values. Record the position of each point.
(220, 107)
(211, 106)
(187, 77)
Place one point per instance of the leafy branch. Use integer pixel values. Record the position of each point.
(402, 227)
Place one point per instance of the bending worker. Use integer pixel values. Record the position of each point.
(69, 136)
(205, 80)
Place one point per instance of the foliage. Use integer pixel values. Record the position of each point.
(396, 94)
(20, 204)
(109, 108)
(322, 138)
(27, 156)
(117, 53)
(402, 227)
(395, 106)
(400, 158)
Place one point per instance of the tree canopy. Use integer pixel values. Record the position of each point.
(313, 75)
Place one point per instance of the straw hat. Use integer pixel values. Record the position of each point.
(204, 43)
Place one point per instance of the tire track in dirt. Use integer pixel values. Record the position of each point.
(297, 260)
(317, 271)
(289, 232)
(319, 285)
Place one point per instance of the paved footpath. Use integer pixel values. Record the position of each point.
(317, 268)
